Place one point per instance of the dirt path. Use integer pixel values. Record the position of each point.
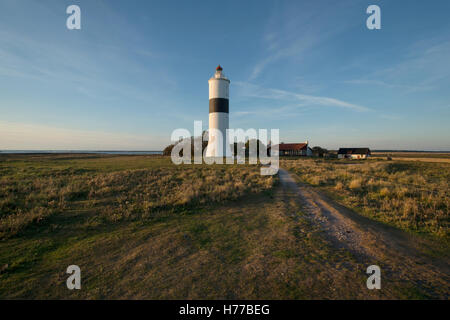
(403, 258)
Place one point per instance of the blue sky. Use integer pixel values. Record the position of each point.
(137, 70)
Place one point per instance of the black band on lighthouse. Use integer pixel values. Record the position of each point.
(218, 105)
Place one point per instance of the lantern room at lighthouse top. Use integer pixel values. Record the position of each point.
(219, 74)
(219, 85)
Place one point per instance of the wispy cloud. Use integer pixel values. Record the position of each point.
(275, 112)
(281, 46)
(384, 84)
(424, 67)
(243, 113)
(303, 100)
(93, 75)
(296, 28)
(391, 117)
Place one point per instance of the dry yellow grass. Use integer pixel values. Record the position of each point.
(139, 227)
(438, 160)
(30, 194)
(409, 195)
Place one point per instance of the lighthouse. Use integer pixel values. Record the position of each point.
(218, 145)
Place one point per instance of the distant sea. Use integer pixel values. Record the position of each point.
(82, 151)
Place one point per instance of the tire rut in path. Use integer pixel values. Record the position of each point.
(401, 256)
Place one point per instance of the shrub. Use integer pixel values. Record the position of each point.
(384, 192)
(355, 184)
(339, 186)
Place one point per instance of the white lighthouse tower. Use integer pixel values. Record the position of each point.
(218, 145)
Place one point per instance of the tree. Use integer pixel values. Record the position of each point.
(258, 145)
(319, 152)
(168, 150)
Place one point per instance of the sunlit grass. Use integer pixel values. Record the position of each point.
(410, 195)
(113, 188)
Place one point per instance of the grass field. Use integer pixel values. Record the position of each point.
(413, 196)
(423, 155)
(440, 157)
(117, 188)
(141, 227)
(52, 206)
